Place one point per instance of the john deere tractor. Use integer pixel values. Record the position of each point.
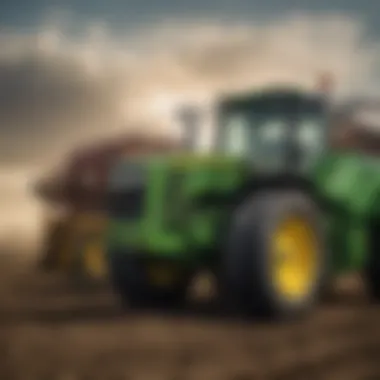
(271, 209)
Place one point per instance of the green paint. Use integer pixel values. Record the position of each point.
(351, 184)
(174, 225)
(175, 222)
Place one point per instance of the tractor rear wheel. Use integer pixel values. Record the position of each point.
(132, 282)
(274, 264)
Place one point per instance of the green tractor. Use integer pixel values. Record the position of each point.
(271, 209)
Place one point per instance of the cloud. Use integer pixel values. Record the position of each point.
(56, 89)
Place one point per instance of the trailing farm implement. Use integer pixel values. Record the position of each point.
(74, 240)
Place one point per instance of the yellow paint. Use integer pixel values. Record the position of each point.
(295, 258)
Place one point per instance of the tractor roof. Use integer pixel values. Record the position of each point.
(280, 94)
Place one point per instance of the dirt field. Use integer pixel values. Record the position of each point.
(50, 332)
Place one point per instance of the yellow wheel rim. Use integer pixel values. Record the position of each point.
(94, 260)
(295, 258)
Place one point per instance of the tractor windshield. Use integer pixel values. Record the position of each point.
(273, 130)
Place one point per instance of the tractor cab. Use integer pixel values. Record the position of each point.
(275, 130)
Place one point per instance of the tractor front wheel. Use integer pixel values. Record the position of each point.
(141, 285)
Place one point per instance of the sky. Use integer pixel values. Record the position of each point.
(44, 40)
(28, 13)
(74, 70)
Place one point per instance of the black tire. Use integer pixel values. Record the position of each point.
(129, 281)
(246, 281)
(372, 271)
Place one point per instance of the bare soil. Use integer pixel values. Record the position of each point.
(51, 331)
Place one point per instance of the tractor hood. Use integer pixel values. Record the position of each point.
(199, 170)
(157, 198)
